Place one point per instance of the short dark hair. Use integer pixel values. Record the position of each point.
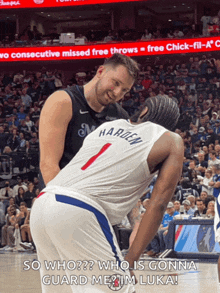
(161, 110)
(119, 59)
(199, 199)
(208, 199)
(186, 183)
(23, 203)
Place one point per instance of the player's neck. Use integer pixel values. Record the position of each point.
(90, 94)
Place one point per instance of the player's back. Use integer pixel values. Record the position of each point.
(111, 167)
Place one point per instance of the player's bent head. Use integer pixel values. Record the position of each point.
(119, 59)
(160, 110)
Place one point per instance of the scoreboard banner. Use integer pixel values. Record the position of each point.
(94, 51)
(8, 4)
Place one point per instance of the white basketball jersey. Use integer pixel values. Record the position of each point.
(111, 166)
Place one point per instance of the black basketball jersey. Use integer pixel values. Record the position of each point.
(84, 121)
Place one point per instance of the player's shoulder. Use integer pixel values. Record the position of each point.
(60, 96)
(173, 138)
(59, 103)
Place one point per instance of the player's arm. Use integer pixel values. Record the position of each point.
(54, 119)
(169, 152)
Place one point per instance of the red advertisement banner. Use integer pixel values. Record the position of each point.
(140, 48)
(8, 4)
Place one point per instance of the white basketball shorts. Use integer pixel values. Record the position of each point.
(76, 245)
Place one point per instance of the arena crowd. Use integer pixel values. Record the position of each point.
(193, 82)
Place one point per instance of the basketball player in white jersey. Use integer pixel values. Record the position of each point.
(72, 219)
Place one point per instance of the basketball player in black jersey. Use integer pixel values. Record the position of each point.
(70, 115)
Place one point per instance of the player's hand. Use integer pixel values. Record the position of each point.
(132, 274)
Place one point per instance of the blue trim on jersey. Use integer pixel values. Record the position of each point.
(103, 222)
(218, 208)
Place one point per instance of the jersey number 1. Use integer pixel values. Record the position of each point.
(92, 159)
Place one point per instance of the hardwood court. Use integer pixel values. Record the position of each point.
(187, 277)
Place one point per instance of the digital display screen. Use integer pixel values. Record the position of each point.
(9, 4)
(94, 51)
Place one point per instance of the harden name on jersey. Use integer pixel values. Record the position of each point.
(120, 132)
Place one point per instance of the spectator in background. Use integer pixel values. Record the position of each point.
(206, 152)
(19, 184)
(20, 196)
(92, 38)
(202, 136)
(109, 37)
(58, 81)
(192, 167)
(205, 182)
(206, 19)
(201, 165)
(187, 208)
(211, 136)
(18, 77)
(27, 34)
(177, 206)
(167, 218)
(147, 35)
(138, 87)
(21, 114)
(170, 34)
(26, 100)
(211, 209)
(147, 81)
(3, 138)
(192, 201)
(217, 151)
(13, 140)
(29, 123)
(24, 129)
(203, 195)
(213, 160)
(8, 229)
(37, 192)
(6, 41)
(34, 142)
(186, 189)
(215, 183)
(37, 36)
(29, 195)
(53, 35)
(49, 79)
(35, 113)
(201, 208)
(22, 142)
(117, 37)
(26, 233)
(6, 192)
(36, 183)
(6, 160)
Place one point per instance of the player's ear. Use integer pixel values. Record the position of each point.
(100, 70)
(144, 111)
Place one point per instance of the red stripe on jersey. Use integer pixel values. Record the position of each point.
(40, 194)
(92, 159)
